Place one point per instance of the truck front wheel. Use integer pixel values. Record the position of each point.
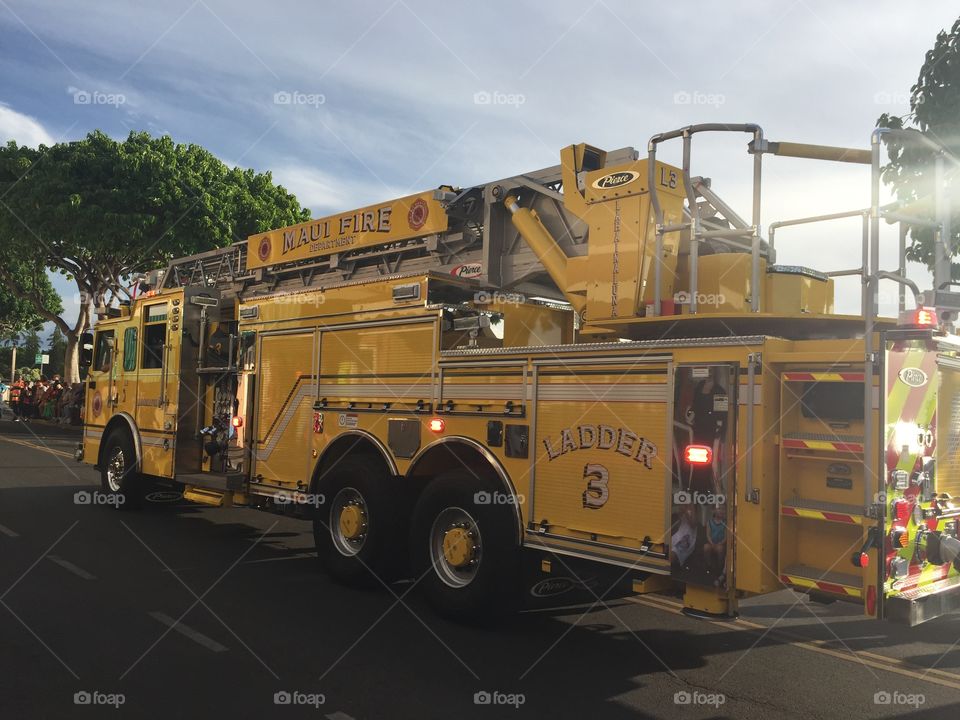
(119, 477)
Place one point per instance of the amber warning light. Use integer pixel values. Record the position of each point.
(698, 454)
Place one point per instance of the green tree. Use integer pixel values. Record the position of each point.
(29, 373)
(16, 312)
(57, 350)
(934, 112)
(29, 349)
(100, 210)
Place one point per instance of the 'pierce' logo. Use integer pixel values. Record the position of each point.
(914, 377)
(615, 180)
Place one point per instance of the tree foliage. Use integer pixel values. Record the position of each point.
(17, 313)
(99, 210)
(934, 112)
(57, 350)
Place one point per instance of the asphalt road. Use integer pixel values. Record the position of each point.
(184, 611)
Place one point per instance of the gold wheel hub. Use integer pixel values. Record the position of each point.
(458, 547)
(353, 522)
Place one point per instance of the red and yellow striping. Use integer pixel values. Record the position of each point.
(828, 587)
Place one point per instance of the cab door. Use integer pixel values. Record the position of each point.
(99, 394)
(156, 384)
(153, 347)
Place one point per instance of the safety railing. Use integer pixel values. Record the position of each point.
(695, 225)
(869, 271)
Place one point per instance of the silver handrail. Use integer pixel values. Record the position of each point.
(697, 233)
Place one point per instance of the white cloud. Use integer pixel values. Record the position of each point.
(326, 194)
(22, 128)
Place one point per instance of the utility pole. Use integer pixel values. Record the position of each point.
(13, 365)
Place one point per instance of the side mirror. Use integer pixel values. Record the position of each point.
(86, 349)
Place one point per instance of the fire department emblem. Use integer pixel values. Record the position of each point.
(97, 405)
(263, 249)
(417, 217)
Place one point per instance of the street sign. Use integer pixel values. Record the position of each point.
(38, 359)
(44, 359)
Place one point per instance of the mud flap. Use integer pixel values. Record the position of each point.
(552, 581)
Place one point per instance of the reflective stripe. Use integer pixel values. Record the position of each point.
(305, 392)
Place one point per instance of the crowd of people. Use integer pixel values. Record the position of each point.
(45, 399)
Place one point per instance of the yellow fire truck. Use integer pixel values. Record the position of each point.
(580, 382)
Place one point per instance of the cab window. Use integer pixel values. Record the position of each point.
(130, 349)
(154, 336)
(248, 350)
(103, 352)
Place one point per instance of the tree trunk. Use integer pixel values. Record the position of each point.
(71, 361)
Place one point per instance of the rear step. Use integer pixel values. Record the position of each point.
(820, 510)
(214, 481)
(913, 607)
(204, 497)
(835, 583)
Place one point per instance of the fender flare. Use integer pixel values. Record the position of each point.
(371, 438)
(491, 459)
(134, 433)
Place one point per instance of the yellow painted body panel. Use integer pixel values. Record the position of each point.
(617, 274)
(400, 219)
(599, 438)
(287, 390)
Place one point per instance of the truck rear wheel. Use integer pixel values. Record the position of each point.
(464, 549)
(358, 530)
(119, 477)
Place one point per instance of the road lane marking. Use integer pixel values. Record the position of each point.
(42, 448)
(189, 632)
(880, 662)
(7, 531)
(67, 565)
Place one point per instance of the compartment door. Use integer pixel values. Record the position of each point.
(286, 391)
(600, 478)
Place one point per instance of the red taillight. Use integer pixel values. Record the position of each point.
(861, 560)
(698, 454)
(872, 600)
(925, 316)
(437, 425)
(237, 421)
(919, 317)
(901, 511)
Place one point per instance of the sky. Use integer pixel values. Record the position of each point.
(353, 103)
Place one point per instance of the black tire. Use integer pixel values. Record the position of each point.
(119, 475)
(489, 587)
(376, 555)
